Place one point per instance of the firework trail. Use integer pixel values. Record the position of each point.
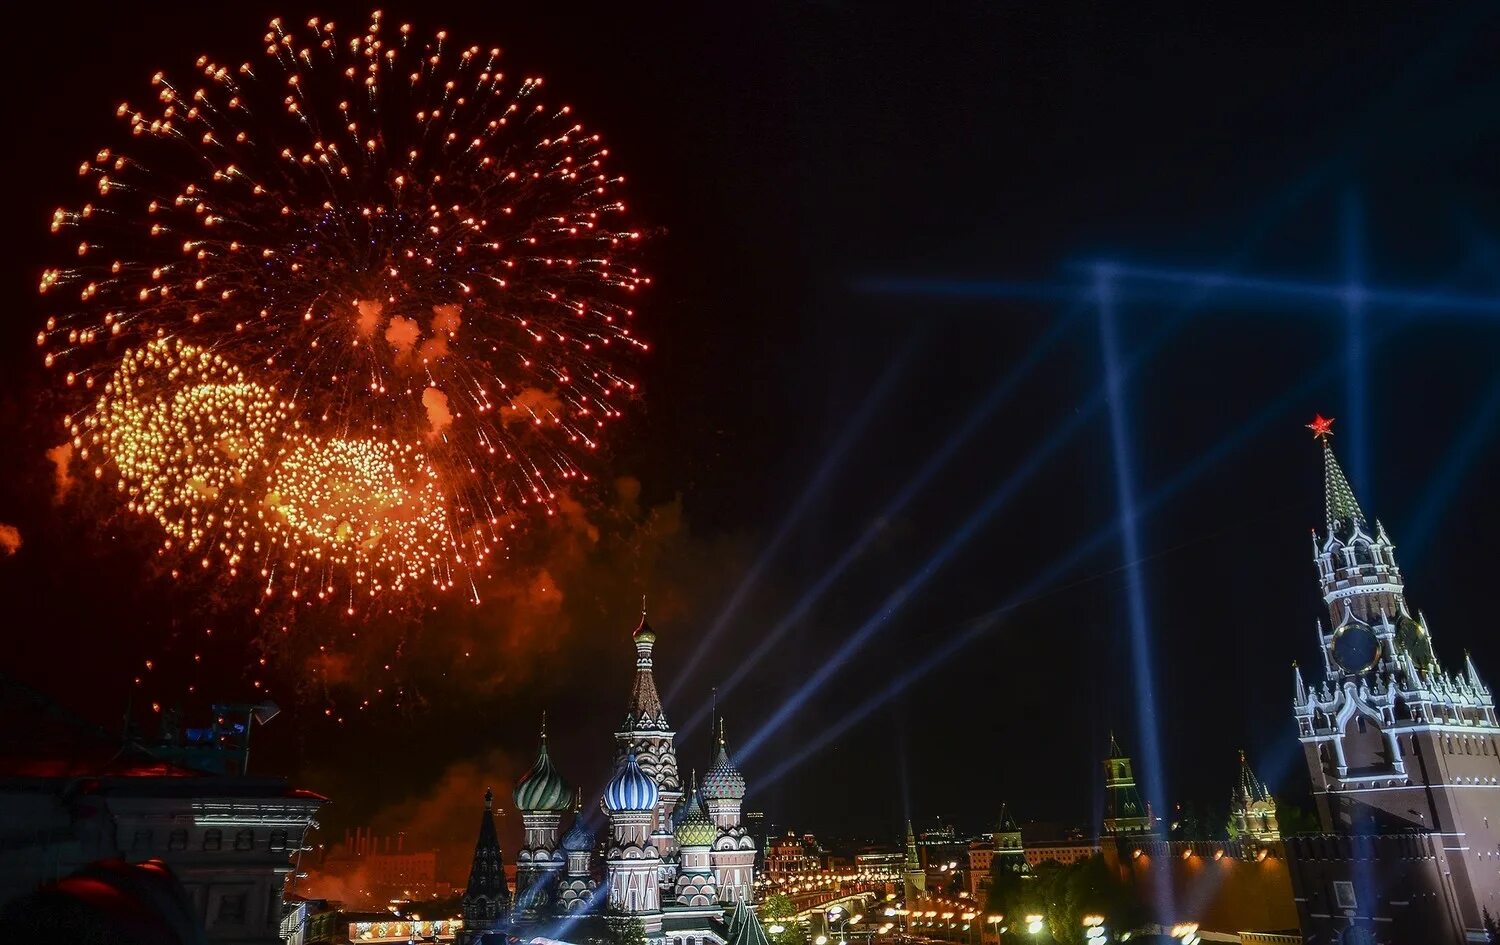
(345, 317)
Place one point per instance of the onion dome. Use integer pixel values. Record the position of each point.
(542, 788)
(693, 828)
(580, 836)
(643, 632)
(630, 790)
(723, 781)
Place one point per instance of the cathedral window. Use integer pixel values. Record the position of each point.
(213, 840)
(278, 841)
(244, 840)
(177, 840)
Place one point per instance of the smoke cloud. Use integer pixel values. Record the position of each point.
(402, 334)
(439, 417)
(531, 405)
(367, 318)
(10, 540)
(62, 475)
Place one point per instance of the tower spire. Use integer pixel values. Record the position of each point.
(1341, 509)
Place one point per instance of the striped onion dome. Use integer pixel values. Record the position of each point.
(723, 781)
(693, 828)
(579, 836)
(542, 788)
(631, 789)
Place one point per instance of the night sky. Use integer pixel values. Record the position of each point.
(797, 162)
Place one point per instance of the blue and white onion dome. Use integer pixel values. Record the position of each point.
(542, 788)
(630, 790)
(723, 781)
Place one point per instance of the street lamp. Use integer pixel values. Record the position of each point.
(1034, 924)
(1187, 933)
(1093, 930)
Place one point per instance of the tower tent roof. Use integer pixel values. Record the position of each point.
(1115, 751)
(1007, 821)
(645, 710)
(745, 928)
(487, 874)
(1341, 508)
(1249, 788)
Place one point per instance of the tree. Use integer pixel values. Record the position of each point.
(1293, 818)
(623, 928)
(779, 910)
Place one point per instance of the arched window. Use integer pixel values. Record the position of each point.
(244, 840)
(213, 840)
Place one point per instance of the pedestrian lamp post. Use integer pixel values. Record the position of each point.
(1094, 932)
(993, 921)
(1034, 925)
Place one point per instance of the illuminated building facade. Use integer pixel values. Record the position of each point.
(1395, 745)
(791, 855)
(672, 859)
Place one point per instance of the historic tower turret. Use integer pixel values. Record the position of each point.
(1252, 810)
(647, 735)
(486, 902)
(695, 834)
(733, 853)
(1394, 743)
(576, 891)
(633, 862)
(1010, 854)
(541, 796)
(1123, 811)
(913, 876)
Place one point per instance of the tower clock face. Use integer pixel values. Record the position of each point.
(1355, 648)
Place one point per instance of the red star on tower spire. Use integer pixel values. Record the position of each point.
(1321, 427)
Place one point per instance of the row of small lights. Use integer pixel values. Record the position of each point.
(1189, 853)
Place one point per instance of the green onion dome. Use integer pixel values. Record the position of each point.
(542, 788)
